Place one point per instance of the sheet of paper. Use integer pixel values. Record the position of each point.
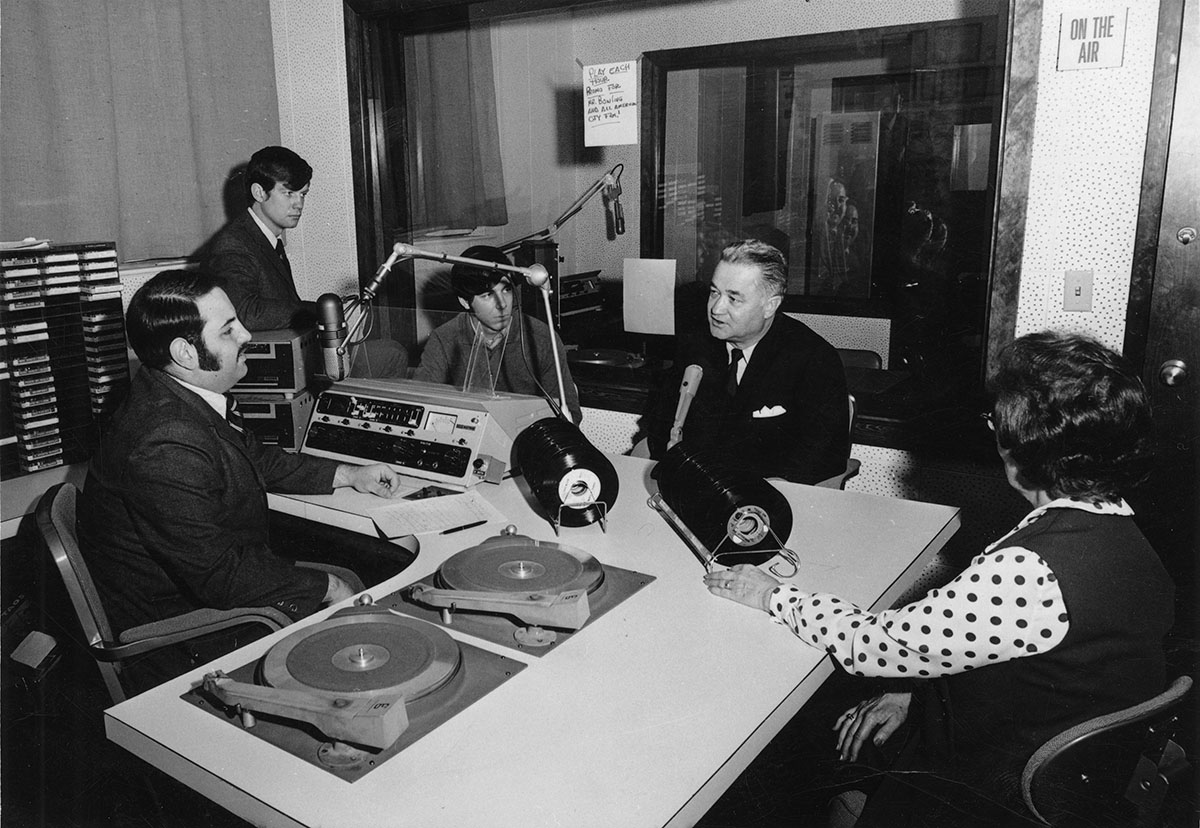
(648, 289)
(434, 514)
(610, 104)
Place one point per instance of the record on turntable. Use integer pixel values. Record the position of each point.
(518, 591)
(350, 691)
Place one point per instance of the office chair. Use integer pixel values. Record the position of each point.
(642, 449)
(860, 358)
(852, 466)
(56, 522)
(1115, 769)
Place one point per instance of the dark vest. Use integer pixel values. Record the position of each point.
(1120, 602)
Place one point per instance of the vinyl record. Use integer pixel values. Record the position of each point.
(516, 563)
(358, 653)
(571, 479)
(741, 517)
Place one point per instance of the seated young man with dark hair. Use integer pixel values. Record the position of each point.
(495, 347)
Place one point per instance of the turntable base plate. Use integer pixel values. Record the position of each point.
(520, 564)
(359, 655)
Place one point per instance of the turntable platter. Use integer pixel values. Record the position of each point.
(362, 654)
(515, 563)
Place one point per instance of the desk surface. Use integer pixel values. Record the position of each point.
(641, 719)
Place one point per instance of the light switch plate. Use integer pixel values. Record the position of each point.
(1077, 290)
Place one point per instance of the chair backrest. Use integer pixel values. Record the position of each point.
(859, 358)
(56, 522)
(852, 465)
(1122, 761)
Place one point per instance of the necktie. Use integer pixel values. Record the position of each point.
(282, 254)
(233, 416)
(731, 375)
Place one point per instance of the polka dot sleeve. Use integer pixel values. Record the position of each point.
(1007, 604)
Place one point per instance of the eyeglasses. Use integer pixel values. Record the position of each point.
(989, 419)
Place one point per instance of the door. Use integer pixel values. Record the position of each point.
(1163, 327)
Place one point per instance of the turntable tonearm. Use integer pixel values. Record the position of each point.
(371, 679)
(516, 591)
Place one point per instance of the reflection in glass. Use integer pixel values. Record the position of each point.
(869, 160)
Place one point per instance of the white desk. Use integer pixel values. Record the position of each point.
(643, 718)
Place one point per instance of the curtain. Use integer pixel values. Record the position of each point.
(456, 180)
(124, 120)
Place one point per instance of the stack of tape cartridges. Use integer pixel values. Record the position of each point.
(63, 358)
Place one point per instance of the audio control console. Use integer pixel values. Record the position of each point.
(433, 432)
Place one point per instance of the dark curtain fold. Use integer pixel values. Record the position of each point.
(122, 120)
(456, 178)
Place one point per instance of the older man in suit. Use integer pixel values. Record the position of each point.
(173, 516)
(773, 395)
(249, 256)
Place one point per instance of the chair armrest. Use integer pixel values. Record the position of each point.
(373, 559)
(839, 481)
(158, 634)
(355, 583)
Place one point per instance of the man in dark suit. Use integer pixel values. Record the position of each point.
(773, 395)
(173, 516)
(249, 256)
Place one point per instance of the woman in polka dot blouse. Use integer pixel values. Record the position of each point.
(1059, 621)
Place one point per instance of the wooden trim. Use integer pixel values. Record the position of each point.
(1008, 238)
(1154, 174)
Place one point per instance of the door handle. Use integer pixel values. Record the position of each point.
(1173, 372)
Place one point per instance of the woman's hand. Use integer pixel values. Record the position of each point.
(744, 583)
(876, 719)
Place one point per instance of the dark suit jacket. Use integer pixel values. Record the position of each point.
(793, 369)
(256, 279)
(173, 515)
(264, 294)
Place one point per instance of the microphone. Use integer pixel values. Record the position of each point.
(618, 213)
(537, 276)
(687, 392)
(331, 328)
(384, 269)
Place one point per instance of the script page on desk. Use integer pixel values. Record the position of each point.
(434, 514)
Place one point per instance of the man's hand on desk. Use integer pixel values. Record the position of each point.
(337, 590)
(378, 479)
(744, 583)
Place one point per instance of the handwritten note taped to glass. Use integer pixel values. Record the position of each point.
(434, 514)
(610, 104)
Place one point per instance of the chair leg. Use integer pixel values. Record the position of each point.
(112, 681)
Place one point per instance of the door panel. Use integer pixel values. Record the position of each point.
(1164, 325)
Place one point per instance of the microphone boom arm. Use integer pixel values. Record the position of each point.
(610, 181)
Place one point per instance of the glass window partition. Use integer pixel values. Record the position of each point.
(869, 158)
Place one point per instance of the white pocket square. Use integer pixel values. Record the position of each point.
(769, 411)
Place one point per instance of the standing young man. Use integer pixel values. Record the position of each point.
(249, 257)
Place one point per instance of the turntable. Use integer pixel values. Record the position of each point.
(519, 592)
(347, 693)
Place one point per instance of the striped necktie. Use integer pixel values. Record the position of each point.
(233, 416)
